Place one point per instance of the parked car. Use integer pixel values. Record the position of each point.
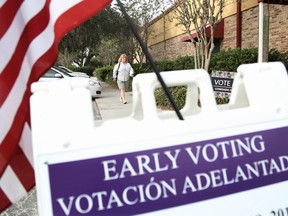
(72, 73)
(53, 74)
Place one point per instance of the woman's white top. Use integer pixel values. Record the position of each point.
(124, 72)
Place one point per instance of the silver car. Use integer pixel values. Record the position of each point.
(54, 74)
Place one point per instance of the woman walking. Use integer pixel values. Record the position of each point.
(122, 72)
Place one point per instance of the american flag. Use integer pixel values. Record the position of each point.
(29, 34)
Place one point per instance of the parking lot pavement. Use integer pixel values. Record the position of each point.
(107, 106)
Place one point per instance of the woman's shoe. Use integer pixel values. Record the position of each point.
(124, 102)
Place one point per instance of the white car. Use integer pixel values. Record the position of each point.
(54, 74)
(72, 73)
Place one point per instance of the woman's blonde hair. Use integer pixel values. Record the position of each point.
(121, 56)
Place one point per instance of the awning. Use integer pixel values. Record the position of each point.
(283, 2)
(218, 33)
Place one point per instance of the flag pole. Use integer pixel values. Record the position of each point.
(150, 59)
(260, 40)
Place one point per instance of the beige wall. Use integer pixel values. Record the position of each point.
(167, 44)
(166, 27)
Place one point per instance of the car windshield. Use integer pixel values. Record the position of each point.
(62, 69)
(51, 73)
(67, 74)
(66, 69)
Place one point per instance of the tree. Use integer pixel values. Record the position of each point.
(199, 15)
(141, 13)
(107, 35)
(83, 42)
(66, 58)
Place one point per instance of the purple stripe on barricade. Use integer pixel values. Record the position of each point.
(150, 180)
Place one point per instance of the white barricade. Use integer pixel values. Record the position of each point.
(220, 160)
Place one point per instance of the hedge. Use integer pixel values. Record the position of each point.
(226, 60)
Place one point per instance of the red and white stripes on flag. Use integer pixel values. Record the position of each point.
(29, 34)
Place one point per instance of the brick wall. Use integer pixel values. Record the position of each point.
(171, 49)
(229, 40)
(278, 34)
(250, 29)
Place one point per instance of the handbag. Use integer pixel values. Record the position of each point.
(115, 79)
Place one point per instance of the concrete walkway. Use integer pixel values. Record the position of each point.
(107, 106)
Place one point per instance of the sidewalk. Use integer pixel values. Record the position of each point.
(107, 106)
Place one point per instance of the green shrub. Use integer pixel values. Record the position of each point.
(178, 93)
(231, 59)
(166, 65)
(185, 62)
(144, 68)
(248, 56)
(104, 73)
(275, 55)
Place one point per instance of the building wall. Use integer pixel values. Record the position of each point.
(250, 28)
(229, 40)
(169, 48)
(278, 35)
